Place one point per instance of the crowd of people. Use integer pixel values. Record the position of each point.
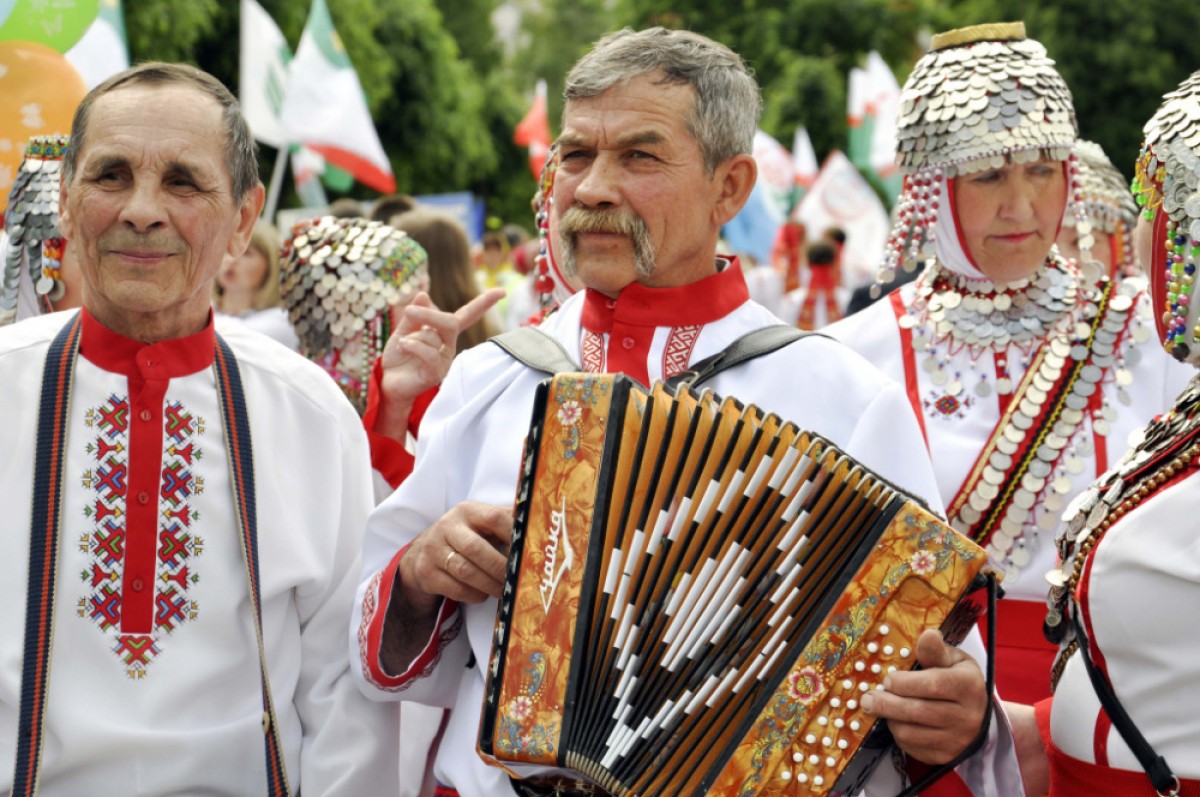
(263, 529)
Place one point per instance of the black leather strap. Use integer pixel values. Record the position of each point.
(753, 344)
(1160, 774)
(539, 351)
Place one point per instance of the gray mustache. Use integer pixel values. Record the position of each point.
(577, 220)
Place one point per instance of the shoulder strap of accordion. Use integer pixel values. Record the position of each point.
(539, 351)
(747, 347)
(535, 348)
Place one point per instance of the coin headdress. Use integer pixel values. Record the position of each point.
(33, 253)
(1167, 186)
(1107, 201)
(979, 97)
(340, 279)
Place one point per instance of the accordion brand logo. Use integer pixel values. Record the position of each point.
(559, 555)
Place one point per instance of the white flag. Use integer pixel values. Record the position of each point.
(804, 160)
(776, 175)
(841, 197)
(263, 77)
(325, 107)
(103, 51)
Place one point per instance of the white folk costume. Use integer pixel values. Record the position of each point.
(471, 449)
(1027, 390)
(154, 683)
(1130, 575)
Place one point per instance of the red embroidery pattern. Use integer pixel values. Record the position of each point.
(678, 351)
(105, 541)
(593, 352)
(947, 407)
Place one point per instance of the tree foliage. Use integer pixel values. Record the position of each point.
(446, 94)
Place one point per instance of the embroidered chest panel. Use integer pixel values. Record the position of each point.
(104, 539)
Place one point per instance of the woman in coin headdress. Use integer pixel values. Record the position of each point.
(1110, 214)
(246, 288)
(1026, 370)
(40, 274)
(1129, 580)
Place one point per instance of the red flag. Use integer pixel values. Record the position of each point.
(534, 131)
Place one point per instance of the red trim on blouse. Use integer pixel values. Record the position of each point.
(389, 456)
(910, 364)
(371, 661)
(148, 369)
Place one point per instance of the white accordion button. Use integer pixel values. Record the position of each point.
(884, 630)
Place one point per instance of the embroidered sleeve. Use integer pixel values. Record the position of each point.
(370, 633)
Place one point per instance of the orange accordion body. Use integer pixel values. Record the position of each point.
(698, 595)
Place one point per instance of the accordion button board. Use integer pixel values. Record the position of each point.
(699, 594)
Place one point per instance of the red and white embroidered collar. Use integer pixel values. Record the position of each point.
(164, 360)
(631, 319)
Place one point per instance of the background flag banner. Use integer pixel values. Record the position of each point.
(842, 197)
(263, 74)
(874, 102)
(325, 108)
(307, 168)
(804, 160)
(533, 131)
(776, 175)
(103, 51)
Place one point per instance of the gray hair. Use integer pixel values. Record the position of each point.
(241, 153)
(725, 114)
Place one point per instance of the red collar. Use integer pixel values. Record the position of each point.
(699, 303)
(164, 360)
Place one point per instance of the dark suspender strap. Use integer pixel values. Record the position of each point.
(536, 349)
(1160, 774)
(753, 344)
(45, 526)
(236, 422)
(46, 513)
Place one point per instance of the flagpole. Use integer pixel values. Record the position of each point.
(276, 183)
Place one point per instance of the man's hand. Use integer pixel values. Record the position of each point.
(462, 557)
(418, 355)
(933, 713)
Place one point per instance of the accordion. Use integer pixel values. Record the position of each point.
(699, 593)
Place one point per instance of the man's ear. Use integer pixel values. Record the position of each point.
(735, 179)
(66, 223)
(248, 212)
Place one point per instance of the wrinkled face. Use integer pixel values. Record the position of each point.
(1009, 217)
(632, 188)
(1068, 246)
(245, 273)
(150, 209)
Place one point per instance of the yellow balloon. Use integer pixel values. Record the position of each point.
(39, 91)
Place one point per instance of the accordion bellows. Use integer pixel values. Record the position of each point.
(698, 595)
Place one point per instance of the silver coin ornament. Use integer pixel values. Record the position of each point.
(980, 96)
(31, 223)
(1168, 181)
(340, 275)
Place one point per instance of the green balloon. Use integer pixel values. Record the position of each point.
(57, 25)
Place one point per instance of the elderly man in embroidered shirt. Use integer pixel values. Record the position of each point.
(657, 131)
(180, 569)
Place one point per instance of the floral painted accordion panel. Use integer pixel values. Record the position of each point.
(698, 594)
